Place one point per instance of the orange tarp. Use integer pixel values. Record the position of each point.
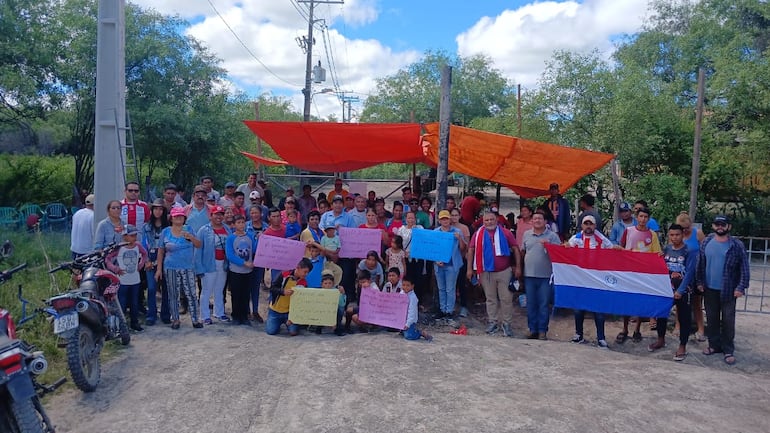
(270, 162)
(526, 166)
(338, 147)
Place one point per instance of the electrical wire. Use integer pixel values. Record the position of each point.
(248, 50)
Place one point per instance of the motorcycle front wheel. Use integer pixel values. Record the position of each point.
(83, 359)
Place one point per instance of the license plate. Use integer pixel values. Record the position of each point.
(65, 322)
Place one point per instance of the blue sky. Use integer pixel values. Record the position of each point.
(370, 39)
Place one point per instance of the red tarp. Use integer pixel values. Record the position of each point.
(270, 162)
(338, 147)
(526, 166)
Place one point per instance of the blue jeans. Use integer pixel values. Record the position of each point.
(412, 333)
(128, 295)
(258, 275)
(598, 319)
(152, 303)
(446, 279)
(539, 295)
(275, 320)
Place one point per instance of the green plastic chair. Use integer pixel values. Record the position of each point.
(9, 216)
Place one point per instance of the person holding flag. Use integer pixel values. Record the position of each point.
(589, 238)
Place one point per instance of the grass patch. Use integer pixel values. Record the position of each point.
(41, 251)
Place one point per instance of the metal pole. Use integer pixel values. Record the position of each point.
(445, 120)
(696, 144)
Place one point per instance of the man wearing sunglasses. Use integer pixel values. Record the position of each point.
(134, 211)
(722, 276)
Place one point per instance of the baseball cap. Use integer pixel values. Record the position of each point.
(178, 211)
(255, 195)
(444, 214)
(337, 198)
(90, 199)
(721, 219)
(211, 197)
(327, 273)
(589, 218)
(230, 185)
(553, 185)
(130, 229)
(291, 188)
(290, 200)
(624, 207)
(158, 203)
(199, 188)
(216, 209)
(330, 227)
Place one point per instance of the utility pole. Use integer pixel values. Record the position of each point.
(309, 51)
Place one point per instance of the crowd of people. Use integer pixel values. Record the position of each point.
(193, 253)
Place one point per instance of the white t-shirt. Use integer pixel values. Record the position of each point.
(82, 236)
(128, 261)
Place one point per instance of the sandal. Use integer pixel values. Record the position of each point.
(680, 356)
(700, 337)
(637, 337)
(621, 338)
(710, 351)
(656, 345)
(729, 359)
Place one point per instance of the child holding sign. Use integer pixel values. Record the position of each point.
(327, 282)
(280, 292)
(364, 280)
(410, 329)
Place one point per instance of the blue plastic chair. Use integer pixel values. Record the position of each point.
(56, 213)
(9, 216)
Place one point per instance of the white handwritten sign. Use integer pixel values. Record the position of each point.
(278, 253)
(355, 243)
(314, 306)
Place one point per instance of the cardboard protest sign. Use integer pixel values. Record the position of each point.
(355, 243)
(384, 309)
(314, 306)
(431, 245)
(278, 253)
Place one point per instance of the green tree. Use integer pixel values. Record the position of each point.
(478, 90)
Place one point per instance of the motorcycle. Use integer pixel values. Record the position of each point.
(88, 315)
(20, 364)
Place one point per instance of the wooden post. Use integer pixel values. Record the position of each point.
(614, 167)
(445, 120)
(260, 167)
(696, 145)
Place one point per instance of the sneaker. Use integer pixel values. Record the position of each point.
(578, 339)
(463, 312)
(208, 322)
(507, 332)
(533, 336)
(197, 325)
(491, 328)
(602, 344)
(450, 321)
(224, 319)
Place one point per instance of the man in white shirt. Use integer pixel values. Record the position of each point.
(82, 236)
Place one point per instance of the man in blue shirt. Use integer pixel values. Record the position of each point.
(722, 276)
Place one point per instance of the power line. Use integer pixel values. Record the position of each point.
(248, 50)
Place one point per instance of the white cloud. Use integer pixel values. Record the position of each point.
(521, 41)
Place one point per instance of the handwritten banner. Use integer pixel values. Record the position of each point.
(355, 243)
(431, 245)
(314, 306)
(384, 309)
(278, 253)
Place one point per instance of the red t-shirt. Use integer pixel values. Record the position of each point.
(469, 208)
(501, 262)
(270, 231)
(219, 250)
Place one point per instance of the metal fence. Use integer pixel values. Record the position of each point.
(757, 299)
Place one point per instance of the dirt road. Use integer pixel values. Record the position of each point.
(237, 379)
